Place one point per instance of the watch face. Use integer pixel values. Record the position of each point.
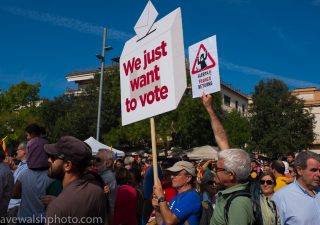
(161, 199)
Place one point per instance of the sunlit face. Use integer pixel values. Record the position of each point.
(310, 176)
(222, 176)
(180, 179)
(267, 184)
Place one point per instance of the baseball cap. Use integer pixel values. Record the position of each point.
(70, 148)
(183, 165)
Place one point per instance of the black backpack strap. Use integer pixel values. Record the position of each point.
(233, 195)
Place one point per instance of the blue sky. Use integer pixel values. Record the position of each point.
(42, 40)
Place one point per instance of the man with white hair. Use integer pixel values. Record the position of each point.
(232, 170)
(105, 170)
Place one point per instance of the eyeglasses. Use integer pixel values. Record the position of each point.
(175, 174)
(219, 169)
(55, 157)
(268, 182)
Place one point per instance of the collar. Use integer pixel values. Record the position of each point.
(238, 187)
(303, 189)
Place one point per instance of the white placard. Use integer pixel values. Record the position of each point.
(152, 71)
(204, 67)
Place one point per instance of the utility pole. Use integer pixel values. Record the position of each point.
(102, 58)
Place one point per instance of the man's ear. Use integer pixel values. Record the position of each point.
(68, 166)
(232, 175)
(299, 170)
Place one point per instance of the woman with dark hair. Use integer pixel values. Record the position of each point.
(126, 203)
(269, 212)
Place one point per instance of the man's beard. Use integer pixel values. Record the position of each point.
(56, 173)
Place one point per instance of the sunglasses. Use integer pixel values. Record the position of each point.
(268, 182)
(55, 157)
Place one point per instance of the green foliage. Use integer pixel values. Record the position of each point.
(279, 123)
(17, 110)
(19, 96)
(238, 129)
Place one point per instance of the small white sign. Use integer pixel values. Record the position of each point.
(204, 67)
(152, 70)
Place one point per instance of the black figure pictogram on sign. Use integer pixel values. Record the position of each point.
(201, 63)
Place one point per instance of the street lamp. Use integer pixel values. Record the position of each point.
(102, 58)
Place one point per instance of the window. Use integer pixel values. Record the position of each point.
(243, 108)
(226, 100)
(237, 105)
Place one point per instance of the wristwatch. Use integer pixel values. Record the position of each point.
(161, 199)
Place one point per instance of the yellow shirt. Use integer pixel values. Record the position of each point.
(281, 182)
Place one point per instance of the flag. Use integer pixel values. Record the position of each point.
(3, 145)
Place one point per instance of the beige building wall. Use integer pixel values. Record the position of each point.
(311, 98)
(234, 99)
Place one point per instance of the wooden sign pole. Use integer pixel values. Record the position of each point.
(154, 151)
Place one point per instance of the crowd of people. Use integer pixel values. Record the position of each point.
(63, 183)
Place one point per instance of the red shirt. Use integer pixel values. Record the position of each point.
(125, 209)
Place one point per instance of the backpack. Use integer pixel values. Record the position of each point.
(255, 205)
(207, 212)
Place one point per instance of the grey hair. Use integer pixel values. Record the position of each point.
(236, 161)
(109, 154)
(302, 158)
(22, 145)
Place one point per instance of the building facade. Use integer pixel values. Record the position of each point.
(232, 99)
(311, 99)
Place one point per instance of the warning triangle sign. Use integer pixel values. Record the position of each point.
(204, 62)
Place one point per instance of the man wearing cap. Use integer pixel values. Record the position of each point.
(185, 207)
(80, 201)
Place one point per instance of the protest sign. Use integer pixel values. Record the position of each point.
(152, 70)
(204, 67)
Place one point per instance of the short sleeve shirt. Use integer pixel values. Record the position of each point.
(187, 207)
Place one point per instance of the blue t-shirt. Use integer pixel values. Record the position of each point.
(186, 206)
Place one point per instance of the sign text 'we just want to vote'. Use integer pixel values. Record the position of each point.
(148, 77)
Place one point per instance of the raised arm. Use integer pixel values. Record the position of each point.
(219, 133)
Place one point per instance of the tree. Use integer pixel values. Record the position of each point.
(19, 96)
(238, 129)
(279, 122)
(17, 110)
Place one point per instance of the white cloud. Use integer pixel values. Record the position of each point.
(267, 75)
(69, 23)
